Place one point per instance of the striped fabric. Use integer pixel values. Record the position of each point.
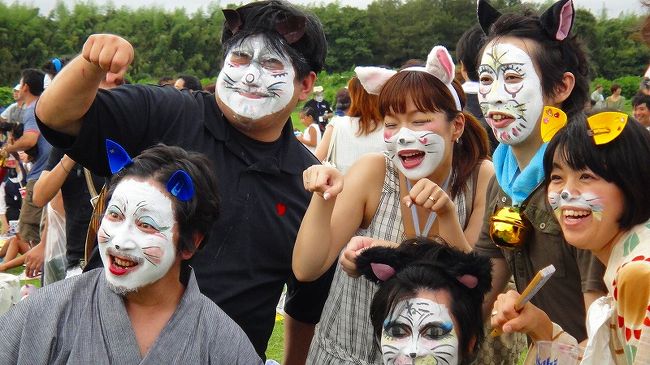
(81, 321)
(344, 334)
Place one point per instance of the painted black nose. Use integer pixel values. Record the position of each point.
(564, 195)
(250, 78)
(401, 140)
(412, 355)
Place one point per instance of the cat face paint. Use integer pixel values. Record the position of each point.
(419, 331)
(136, 236)
(587, 207)
(510, 92)
(255, 80)
(578, 206)
(416, 154)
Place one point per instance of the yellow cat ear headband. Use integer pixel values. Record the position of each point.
(603, 127)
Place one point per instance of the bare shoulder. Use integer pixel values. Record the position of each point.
(368, 168)
(486, 171)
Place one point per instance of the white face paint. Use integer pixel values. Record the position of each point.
(416, 154)
(419, 331)
(255, 80)
(510, 92)
(136, 236)
(575, 206)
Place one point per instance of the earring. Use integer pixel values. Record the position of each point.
(458, 140)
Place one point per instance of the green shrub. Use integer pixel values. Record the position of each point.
(6, 96)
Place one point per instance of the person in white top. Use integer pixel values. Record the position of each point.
(312, 134)
(357, 133)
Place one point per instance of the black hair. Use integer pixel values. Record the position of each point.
(312, 112)
(193, 216)
(615, 87)
(624, 162)
(424, 264)
(306, 54)
(641, 98)
(468, 49)
(552, 57)
(34, 79)
(191, 82)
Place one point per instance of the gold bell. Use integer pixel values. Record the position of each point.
(508, 229)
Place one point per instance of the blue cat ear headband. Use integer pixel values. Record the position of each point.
(179, 184)
(57, 64)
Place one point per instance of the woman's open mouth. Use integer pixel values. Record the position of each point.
(499, 120)
(411, 158)
(572, 217)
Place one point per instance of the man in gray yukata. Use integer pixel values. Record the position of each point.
(144, 306)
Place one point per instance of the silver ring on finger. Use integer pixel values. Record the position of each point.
(432, 199)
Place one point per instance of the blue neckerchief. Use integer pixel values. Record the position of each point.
(518, 184)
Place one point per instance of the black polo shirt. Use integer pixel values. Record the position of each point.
(247, 258)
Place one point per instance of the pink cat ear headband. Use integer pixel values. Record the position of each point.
(439, 64)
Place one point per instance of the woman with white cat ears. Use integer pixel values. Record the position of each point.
(431, 182)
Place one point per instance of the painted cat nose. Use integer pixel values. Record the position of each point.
(250, 78)
(565, 195)
(413, 355)
(401, 140)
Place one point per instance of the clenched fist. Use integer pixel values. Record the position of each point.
(112, 54)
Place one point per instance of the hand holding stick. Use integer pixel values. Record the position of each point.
(533, 287)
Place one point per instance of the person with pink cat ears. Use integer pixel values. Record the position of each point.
(431, 181)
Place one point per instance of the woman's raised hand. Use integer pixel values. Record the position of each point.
(325, 181)
(429, 195)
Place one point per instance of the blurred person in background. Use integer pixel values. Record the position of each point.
(357, 133)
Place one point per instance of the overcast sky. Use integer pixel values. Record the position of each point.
(614, 7)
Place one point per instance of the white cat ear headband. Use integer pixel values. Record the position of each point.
(439, 64)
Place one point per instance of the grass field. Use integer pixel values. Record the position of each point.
(275, 349)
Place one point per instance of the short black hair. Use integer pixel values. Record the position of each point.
(312, 112)
(641, 98)
(425, 264)
(34, 79)
(468, 49)
(193, 216)
(191, 82)
(552, 57)
(623, 162)
(307, 54)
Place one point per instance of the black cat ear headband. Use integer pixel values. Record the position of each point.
(557, 20)
(290, 27)
(381, 264)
